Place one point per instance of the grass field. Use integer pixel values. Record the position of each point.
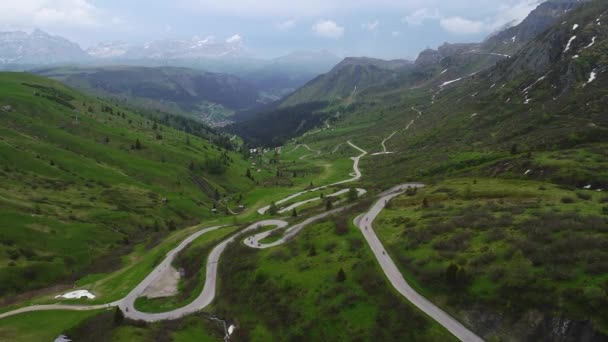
(41, 326)
(105, 327)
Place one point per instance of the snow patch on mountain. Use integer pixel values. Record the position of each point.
(569, 44)
(592, 77)
(590, 44)
(109, 49)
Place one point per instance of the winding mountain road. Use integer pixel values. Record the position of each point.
(127, 304)
(364, 222)
(383, 143)
(207, 295)
(356, 177)
(360, 192)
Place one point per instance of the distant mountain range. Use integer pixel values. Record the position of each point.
(38, 47)
(21, 50)
(42, 48)
(194, 48)
(275, 78)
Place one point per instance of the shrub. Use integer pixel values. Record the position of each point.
(495, 234)
(567, 200)
(341, 227)
(273, 209)
(341, 276)
(484, 259)
(119, 317)
(584, 196)
(355, 244)
(455, 243)
(352, 194)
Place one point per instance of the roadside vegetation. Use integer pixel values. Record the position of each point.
(192, 264)
(110, 326)
(504, 247)
(323, 285)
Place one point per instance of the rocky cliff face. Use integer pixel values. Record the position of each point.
(569, 54)
(532, 326)
(538, 21)
(427, 58)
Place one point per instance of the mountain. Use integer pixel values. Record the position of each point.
(192, 49)
(539, 20)
(310, 62)
(433, 67)
(460, 60)
(38, 48)
(107, 50)
(170, 49)
(346, 79)
(275, 78)
(211, 97)
(283, 75)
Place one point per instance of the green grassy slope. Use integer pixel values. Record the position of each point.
(346, 79)
(505, 249)
(295, 291)
(188, 92)
(76, 184)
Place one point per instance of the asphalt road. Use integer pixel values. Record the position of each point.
(209, 289)
(395, 277)
(356, 177)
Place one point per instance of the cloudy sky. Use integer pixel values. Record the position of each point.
(268, 28)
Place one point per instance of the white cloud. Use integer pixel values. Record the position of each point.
(328, 29)
(236, 39)
(286, 25)
(506, 13)
(371, 26)
(418, 17)
(460, 25)
(52, 13)
(513, 14)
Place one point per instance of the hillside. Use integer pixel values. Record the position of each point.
(346, 79)
(515, 159)
(532, 99)
(84, 182)
(210, 97)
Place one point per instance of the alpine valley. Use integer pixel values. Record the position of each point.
(184, 191)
